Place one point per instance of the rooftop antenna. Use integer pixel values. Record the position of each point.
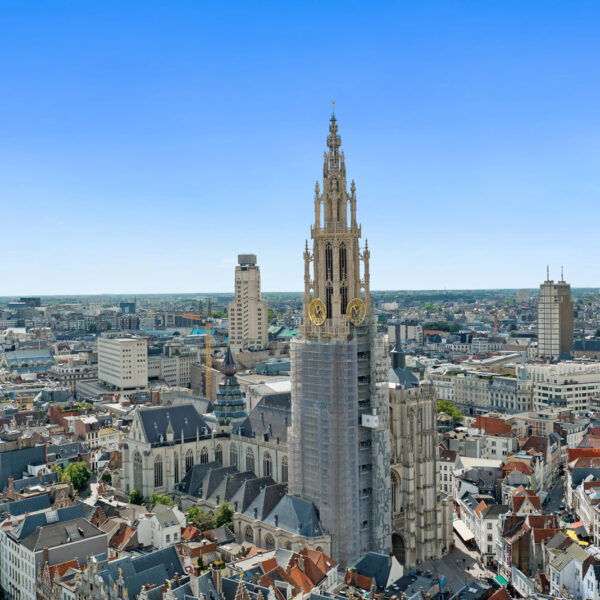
(333, 108)
(562, 277)
(547, 272)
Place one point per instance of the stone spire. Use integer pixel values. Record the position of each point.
(229, 404)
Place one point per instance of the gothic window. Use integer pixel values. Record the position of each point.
(267, 465)
(328, 297)
(158, 472)
(138, 483)
(395, 490)
(203, 455)
(284, 469)
(249, 460)
(176, 468)
(328, 263)
(344, 298)
(269, 542)
(248, 534)
(219, 454)
(342, 262)
(189, 460)
(233, 456)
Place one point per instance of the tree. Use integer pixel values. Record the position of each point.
(107, 477)
(224, 515)
(160, 499)
(77, 474)
(135, 497)
(200, 563)
(200, 519)
(445, 406)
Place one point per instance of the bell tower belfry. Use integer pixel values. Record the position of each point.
(336, 258)
(339, 436)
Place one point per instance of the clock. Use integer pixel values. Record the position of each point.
(356, 311)
(317, 311)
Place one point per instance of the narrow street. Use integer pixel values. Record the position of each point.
(556, 496)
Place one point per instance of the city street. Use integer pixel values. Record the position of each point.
(556, 496)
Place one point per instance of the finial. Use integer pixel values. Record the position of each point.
(333, 109)
(317, 188)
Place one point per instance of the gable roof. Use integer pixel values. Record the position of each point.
(183, 418)
(14, 462)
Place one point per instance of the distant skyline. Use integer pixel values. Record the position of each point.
(144, 145)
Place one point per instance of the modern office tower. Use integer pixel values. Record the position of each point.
(248, 318)
(127, 307)
(123, 361)
(555, 319)
(340, 437)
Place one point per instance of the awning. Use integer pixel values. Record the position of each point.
(463, 531)
(501, 580)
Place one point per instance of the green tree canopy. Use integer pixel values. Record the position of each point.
(107, 477)
(201, 519)
(135, 497)
(77, 474)
(445, 406)
(160, 499)
(224, 515)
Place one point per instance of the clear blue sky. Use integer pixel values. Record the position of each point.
(143, 145)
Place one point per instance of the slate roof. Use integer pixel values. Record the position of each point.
(184, 417)
(376, 566)
(266, 422)
(31, 522)
(154, 567)
(248, 491)
(403, 378)
(192, 482)
(296, 515)
(47, 479)
(230, 586)
(58, 534)
(267, 499)
(578, 474)
(28, 505)
(15, 462)
(66, 451)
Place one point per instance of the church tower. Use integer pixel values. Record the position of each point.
(339, 439)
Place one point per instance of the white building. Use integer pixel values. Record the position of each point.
(248, 316)
(123, 361)
(162, 527)
(568, 384)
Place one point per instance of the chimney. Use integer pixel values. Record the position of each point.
(40, 474)
(216, 575)
(10, 486)
(301, 562)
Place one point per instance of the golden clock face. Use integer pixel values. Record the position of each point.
(317, 312)
(356, 311)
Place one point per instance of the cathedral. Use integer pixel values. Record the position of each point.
(356, 445)
(339, 439)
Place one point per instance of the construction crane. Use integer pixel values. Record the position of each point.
(207, 347)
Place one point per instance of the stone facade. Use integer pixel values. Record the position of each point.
(421, 520)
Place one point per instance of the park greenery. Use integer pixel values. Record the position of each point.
(160, 499)
(76, 473)
(445, 406)
(204, 520)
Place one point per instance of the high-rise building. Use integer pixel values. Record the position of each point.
(123, 361)
(340, 437)
(248, 317)
(555, 319)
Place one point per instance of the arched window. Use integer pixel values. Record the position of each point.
(328, 301)
(249, 460)
(267, 465)
(176, 467)
(189, 460)
(284, 469)
(233, 456)
(328, 263)
(158, 472)
(342, 262)
(395, 492)
(219, 454)
(138, 479)
(249, 534)
(343, 298)
(204, 455)
(269, 542)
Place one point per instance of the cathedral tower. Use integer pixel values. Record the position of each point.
(340, 445)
